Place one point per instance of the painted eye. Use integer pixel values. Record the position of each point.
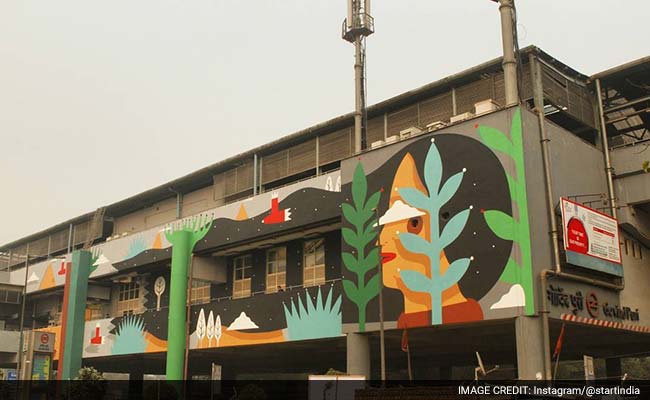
(414, 225)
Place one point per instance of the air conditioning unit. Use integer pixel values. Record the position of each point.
(485, 106)
(434, 126)
(391, 139)
(412, 131)
(461, 117)
(376, 144)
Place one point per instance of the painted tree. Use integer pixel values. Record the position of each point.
(503, 225)
(361, 214)
(200, 327)
(439, 195)
(209, 330)
(183, 236)
(217, 329)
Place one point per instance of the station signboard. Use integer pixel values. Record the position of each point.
(591, 238)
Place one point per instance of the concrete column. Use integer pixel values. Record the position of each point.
(613, 368)
(358, 354)
(530, 348)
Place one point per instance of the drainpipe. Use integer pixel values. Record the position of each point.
(608, 164)
(538, 98)
(509, 63)
(179, 203)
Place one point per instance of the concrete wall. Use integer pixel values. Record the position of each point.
(632, 189)
(9, 341)
(637, 276)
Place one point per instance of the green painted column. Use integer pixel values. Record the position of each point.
(181, 254)
(183, 238)
(80, 270)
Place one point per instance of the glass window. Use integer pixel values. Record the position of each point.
(276, 269)
(243, 270)
(314, 263)
(200, 292)
(128, 300)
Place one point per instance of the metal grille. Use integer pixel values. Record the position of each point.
(374, 130)
(402, 119)
(233, 181)
(335, 146)
(472, 93)
(563, 93)
(274, 166)
(302, 157)
(439, 108)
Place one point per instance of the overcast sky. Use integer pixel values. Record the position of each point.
(103, 100)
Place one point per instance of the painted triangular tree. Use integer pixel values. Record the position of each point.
(503, 225)
(439, 195)
(360, 214)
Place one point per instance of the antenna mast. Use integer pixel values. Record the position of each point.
(356, 27)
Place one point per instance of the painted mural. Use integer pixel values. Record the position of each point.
(287, 207)
(445, 218)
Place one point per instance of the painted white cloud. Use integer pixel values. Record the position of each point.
(242, 322)
(33, 278)
(399, 211)
(514, 298)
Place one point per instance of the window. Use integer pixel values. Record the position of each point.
(314, 263)
(243, 267)
(93, 312)
(276, 269)
(128, 300)
(200, 292)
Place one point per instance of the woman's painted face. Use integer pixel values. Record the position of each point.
(402, 218)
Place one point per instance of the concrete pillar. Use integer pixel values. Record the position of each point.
(613, 368)
(358, 354)
(530, 348)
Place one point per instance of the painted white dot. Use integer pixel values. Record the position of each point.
(397, 232)
(399, 269)
(315, 209)
(471, 258)
(471, 207)
(493, 246)
(474, 183)
(464, 169)
(396, 189)
(433, 140)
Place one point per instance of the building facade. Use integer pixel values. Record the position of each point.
(445, 233)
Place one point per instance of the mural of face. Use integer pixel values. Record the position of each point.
(401, 217)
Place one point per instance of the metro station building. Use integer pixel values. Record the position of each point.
(478, 227)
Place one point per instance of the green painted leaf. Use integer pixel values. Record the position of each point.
(373, 202)
(350, 214)
(449, 189)
(502, 224)
(511, 273)
(372, 287)
(414, 243)
(495, 139)
(351, 290)
(359, 187)
(350, 262)
(371, 260)
(414, 198)
(433, 169)
(350, 237)
(512, 186)
(415, 281)
(453, 228)
(454, 272)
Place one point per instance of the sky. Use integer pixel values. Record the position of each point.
(101, 100)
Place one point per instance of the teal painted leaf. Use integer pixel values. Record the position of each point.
(351, 290)
(454, 272)
(350, 237)
(511, 273)
(414, 243)
(449, 189)
(415, 281)
(359, 187)
(414, 198)
(502, 224)
(433, 169)
(495, 139)
(453, 228)
(350, 262)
